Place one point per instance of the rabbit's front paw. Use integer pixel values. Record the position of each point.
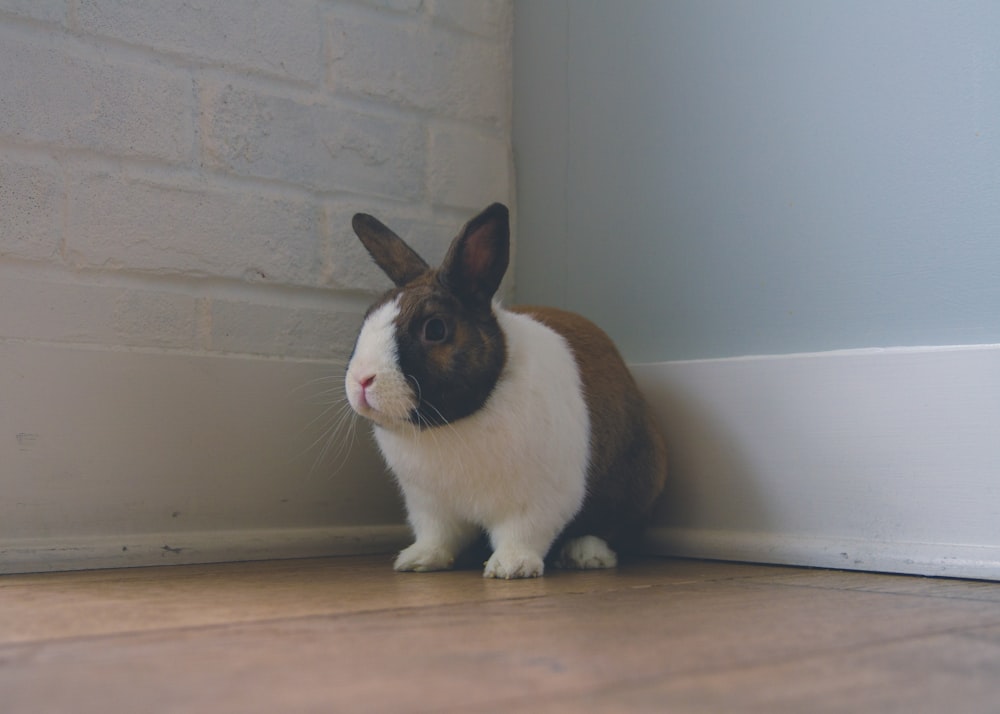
(423, 558)
(507, 564)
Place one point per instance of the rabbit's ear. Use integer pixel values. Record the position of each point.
(390, 252)
(478, 257)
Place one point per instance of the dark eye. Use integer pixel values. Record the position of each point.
(435, 330)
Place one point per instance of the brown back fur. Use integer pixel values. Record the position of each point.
(628, 460)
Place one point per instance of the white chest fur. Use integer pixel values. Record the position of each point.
(522, 457)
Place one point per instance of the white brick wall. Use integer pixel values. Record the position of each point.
(160, 145)
(179, 282)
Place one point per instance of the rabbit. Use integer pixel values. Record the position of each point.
(524, 422)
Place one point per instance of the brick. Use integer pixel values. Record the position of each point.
(47, 10)
(320, 146)
(410, 6)
(119, 223)
(154, 319)
(281, 39)
(268, 329)
(417, 66)
(51, 94)
(94, 314)
(468, 168)
(490, 18)
(31, 197)
(70, 313)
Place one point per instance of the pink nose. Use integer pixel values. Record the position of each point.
(367, 381)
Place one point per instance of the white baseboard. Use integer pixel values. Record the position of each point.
(112, 457)
(186, 548)
(865, 459)
(940, 559)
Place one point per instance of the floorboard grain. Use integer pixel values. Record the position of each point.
(350, 635)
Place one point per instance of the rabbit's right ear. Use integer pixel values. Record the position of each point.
(478, 257)
(390, 252)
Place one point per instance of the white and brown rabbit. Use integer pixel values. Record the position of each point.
(524, 423)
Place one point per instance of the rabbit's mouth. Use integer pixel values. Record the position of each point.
(381, 401)
(380, 418)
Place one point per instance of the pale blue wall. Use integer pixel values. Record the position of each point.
(712, 179)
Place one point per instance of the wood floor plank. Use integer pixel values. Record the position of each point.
(933, 674)
(946, 588)
(79, 604)
(695, 642)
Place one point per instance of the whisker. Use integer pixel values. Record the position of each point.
(417, 384)
(336, 390)
(339, 404)
(337, 442)
(444, 421)
(338, 376)
(332, 429)
(460, 440)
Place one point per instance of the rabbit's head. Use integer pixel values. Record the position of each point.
(430, 351)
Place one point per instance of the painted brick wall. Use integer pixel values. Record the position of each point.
(182, 175)
(179, 282)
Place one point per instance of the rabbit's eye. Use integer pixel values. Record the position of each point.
(435, 330)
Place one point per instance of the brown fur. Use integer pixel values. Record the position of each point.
(399, 261)
(628, 462)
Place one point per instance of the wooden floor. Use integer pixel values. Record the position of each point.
(349, 635)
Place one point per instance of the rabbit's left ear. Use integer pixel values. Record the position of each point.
(390, 252)
(478, 257)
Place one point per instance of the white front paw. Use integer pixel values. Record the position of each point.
(423, 558)
(586, 553)
(510, 564)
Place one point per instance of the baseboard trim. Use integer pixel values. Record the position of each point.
(889, 456)
(187, 548)
(928, 559)
(118, 457)
(870, 459)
